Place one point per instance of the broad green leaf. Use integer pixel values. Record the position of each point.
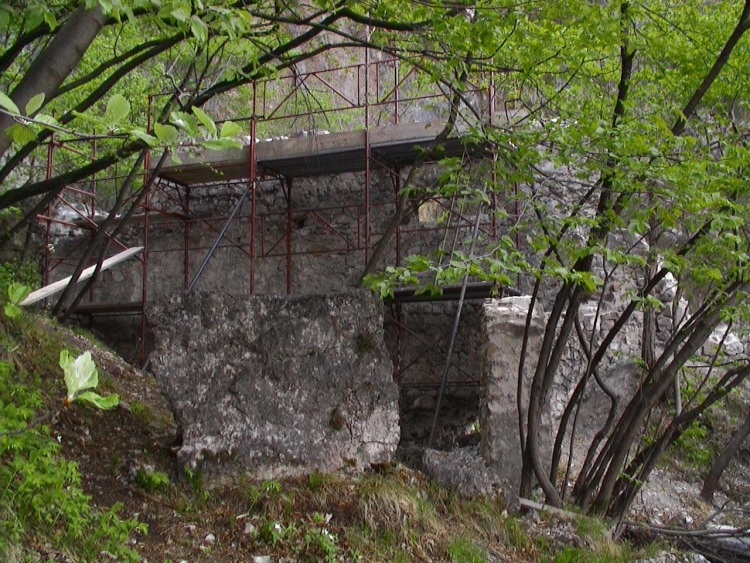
(185, 121)
(150, 140)
(4, 18)
(80, 373)
(118, 109)
(166, 133)
(17, 292)
(199, 28)
(8, 104)
(11, 311)
(229, 129)
(218, 144)
(19, 133)
(34, 104)
(104, 403)
(207, 122)
(180, 14)
(45, 119)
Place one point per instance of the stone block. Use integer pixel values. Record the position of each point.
(503, 330)
(463, 471)
(276, 386)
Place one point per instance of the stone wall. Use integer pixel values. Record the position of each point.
(277, 386)
(327, 241)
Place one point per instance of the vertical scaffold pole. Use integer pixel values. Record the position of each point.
(367, 152)
(146, 213)
(186, 241)
(288, 236)
(47, 238)
(395, 92)
(251, 179)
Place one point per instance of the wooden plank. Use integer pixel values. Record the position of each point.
(53, 288)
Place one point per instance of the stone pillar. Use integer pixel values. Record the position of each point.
(503, 330)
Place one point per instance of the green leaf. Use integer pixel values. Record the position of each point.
(4, 18)
(230, 129)
(185, 121)
(180, 14)
(34, 104)
(19, 133)
(45, 119)
(199, 28)
(207, 122)
(118, 109)
(17, 292)
(8, 104)
(166, 133)
(150, 140)
(11, 311)
(218, 144)
(104, 403)
(80, 373)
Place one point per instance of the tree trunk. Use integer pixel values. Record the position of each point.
(711, 483)
(55, 63)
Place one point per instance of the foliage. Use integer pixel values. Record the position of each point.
(41, 491)
(16, 293)
(41, 494)
(624, 144)
(81, 374)
(152, 481)
(692, 445)
(323, 542)
(14, 272)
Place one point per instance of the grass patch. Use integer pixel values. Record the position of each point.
(463, 551)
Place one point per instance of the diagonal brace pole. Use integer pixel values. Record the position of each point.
(219, 238)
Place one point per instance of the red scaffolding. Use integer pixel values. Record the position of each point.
(368, 114)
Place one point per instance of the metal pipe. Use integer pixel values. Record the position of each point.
(289, 236)
(367, 151)
(220, 237)
(395, 92)
(251, 183)
(448, 357)
(186, 243)
(47, 238)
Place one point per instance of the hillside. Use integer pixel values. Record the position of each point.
(123, 461)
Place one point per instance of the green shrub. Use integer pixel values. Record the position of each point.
(152, 481)
(40, 491)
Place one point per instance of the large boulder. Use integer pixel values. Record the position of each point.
(276, 386)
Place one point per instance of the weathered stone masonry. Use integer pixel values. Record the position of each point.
(277, 386)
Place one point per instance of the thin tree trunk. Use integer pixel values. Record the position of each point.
(711, 483)
(99, 235)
